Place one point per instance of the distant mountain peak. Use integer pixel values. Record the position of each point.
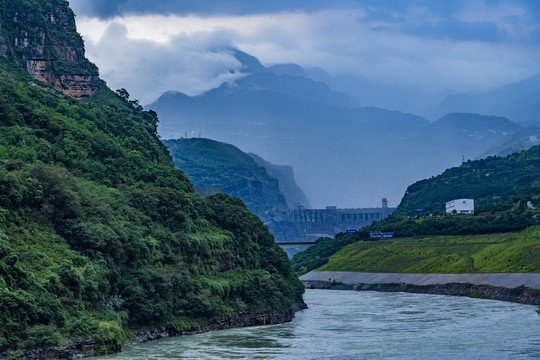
(287, 69)
(250, 64)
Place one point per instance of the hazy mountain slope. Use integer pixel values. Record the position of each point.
(518, 141)
(520, 102)
(342, 155)
(99, 234)
(294, 196)
(368, 92)
(212, 163)
(285, 129)
(475, 125)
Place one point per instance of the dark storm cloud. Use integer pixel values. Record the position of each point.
(111, 8)
(190, 63)
(425, 18)
(465, 45)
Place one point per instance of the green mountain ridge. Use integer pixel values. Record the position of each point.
(208, 163)
(494, 183)
(211, 163)
(100, 235)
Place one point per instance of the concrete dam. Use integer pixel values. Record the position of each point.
(315, 223)
(302, 226)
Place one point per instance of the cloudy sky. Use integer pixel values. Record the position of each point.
(149, 47)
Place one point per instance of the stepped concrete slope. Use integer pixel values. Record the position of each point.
(506, 280)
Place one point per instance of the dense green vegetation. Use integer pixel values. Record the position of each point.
(317, 255)
(509, 252)
(494, 183)
(515, 220)
(100, 234)
(212, 163)
(223, 163)
(455, 225)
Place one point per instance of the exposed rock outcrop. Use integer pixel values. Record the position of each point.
(241, 319)
(294, 196)
(42, 38)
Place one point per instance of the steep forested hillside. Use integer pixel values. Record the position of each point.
(211, 163)
(493, 182)
(207, 163)
(100, 234)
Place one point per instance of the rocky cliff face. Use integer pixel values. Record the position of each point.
(294, 196)
(42, 38)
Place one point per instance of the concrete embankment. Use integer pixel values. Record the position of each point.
(518, 287)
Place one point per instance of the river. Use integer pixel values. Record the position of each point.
(369, 325)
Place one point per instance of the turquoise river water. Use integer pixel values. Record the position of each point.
(369, 325)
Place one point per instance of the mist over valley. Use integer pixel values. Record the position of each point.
(343, 154)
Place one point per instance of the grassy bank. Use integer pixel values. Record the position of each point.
(509, 252)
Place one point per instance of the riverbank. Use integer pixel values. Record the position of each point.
(515, 287)
(89, 348)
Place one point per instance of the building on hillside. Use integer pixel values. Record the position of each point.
(460, 207)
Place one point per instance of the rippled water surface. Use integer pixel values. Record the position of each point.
(369, 325)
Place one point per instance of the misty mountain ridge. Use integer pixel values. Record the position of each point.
(521, 140)
(343, 154)
(294, 196)
(475, 123)
(520, 102)
(369, 92)
(286, 79)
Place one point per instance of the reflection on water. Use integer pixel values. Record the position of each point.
(369, 325)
